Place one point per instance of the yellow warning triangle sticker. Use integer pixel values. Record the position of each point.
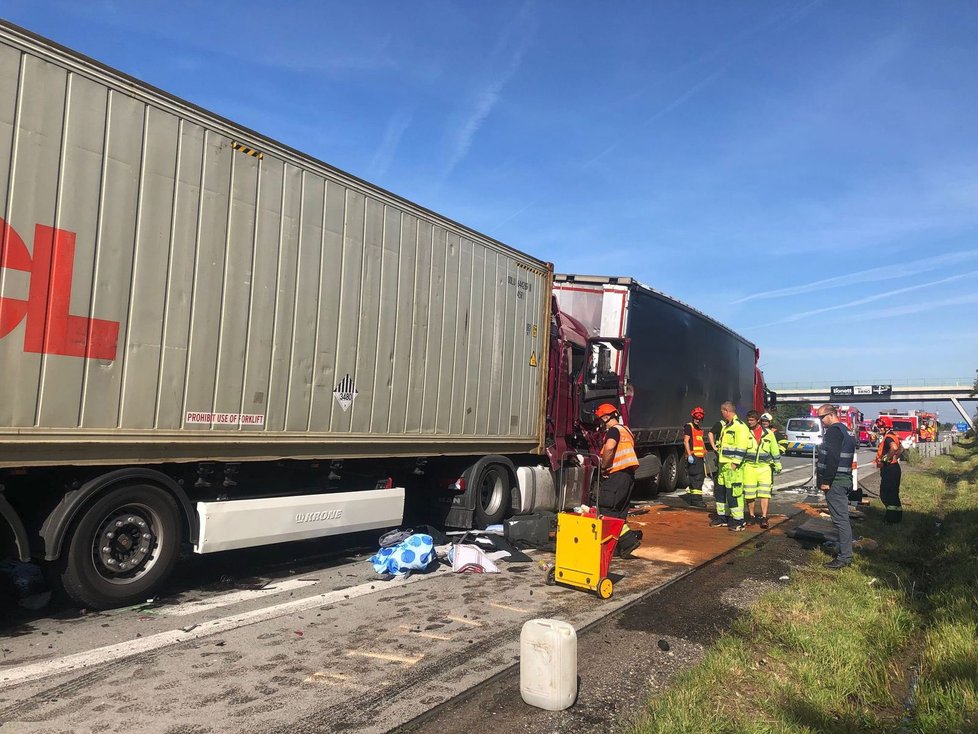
(533, 359)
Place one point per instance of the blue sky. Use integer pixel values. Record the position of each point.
(805, 171)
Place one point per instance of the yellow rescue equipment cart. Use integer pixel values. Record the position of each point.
(585, 546)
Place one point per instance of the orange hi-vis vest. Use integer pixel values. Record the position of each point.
(625, 457)
(882, 458)
(699, 448)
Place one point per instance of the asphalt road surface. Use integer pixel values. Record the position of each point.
(322, 646)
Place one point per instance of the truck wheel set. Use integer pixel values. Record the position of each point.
(225, 343)
(122, 547)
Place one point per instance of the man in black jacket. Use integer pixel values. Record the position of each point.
(834, 475)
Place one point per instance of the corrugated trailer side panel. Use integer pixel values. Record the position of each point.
(163, 288)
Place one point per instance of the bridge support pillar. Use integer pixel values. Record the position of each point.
(963, 412)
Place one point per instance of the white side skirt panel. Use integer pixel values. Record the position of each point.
(248, 523)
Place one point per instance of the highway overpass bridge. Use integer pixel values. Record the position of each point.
(953, 390)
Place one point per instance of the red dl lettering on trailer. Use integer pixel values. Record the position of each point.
(49, 328)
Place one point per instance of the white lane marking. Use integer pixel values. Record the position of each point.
(193, 607)
(470, 622)
(109, 653)
(419, 633)
(508, 608)
(403, 659)
(335, 679)
(326, 677)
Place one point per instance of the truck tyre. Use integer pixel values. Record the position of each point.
(492, 495)
(647, 488)
(669, 473)
(121, 547)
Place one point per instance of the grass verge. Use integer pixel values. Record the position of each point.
(887, 645)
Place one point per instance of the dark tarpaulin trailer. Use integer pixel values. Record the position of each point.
(679, 357)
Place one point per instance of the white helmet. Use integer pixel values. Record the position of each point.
(767, 417)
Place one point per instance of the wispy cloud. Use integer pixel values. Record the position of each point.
(777, 21)
(397, 125)
(871, 275)
(503, 63)
(868, 299)
(910, 309)
(659, 114)
(676, 103)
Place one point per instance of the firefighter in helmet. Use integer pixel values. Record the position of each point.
(618, 464)
(889, 451)
(694, 441)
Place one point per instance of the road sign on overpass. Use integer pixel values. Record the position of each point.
(879, 393)
(861, 391)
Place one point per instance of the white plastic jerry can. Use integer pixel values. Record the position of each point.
(548, 664)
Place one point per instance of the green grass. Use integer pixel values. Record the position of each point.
(888, 645)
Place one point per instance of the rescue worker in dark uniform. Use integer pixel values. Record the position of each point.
(695, 444)
(833, 470)
(618, 463)
(888, 453)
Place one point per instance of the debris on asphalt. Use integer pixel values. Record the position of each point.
(34, 602)
(251, 584)
(538, 530)
(663, 645)
(471, 559)
(27, 581)
(784, 578)
(189, 627)
(415, 553)
(394, 537)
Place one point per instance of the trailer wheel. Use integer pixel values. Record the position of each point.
(669, 473)
(123, 546)
(492, 497)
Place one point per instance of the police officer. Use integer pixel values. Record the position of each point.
(618, 463)
(695, 445)
(732, 451)
(833, 469)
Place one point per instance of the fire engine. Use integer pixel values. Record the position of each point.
(904, 424)
(851, 417)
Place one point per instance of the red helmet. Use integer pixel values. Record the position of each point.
(697, 412)
(604, 409)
